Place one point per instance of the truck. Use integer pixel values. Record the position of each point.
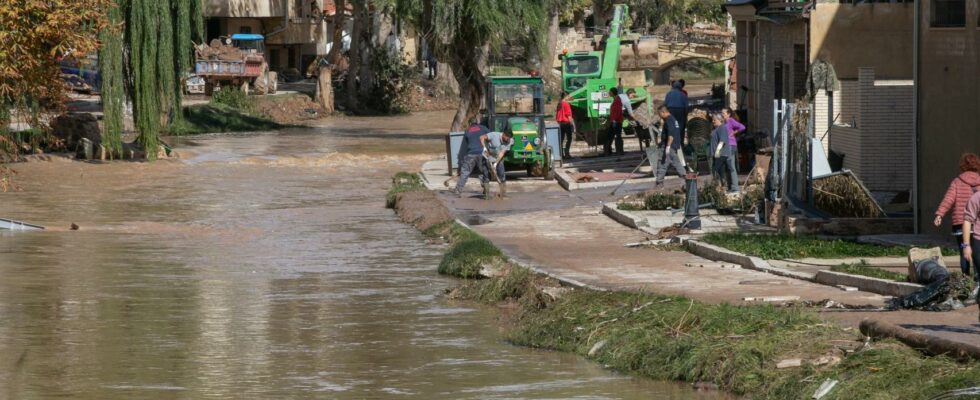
(516, 104)
(237, 61)
(588, 75)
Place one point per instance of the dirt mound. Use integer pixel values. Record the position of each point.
(288, 109)
(421, 209)
(426, 96)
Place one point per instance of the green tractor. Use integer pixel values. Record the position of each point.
(516, 104)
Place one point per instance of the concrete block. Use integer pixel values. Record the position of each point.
(917, 254)
(867, 284)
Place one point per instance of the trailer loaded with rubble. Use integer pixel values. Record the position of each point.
(235, 61)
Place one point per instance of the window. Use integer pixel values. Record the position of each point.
(799, 70)
(518, 98)
(582, 65)
(948, 14)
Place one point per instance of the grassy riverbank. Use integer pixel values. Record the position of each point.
(669, 337)
(785, 246)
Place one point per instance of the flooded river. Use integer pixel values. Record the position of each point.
(256, 267)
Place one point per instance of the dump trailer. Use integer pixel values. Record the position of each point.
(588, 75)
(236, 61)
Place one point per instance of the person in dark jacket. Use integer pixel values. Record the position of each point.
(722, 151)
(671, 142)
(676, 102)
(957, 196)
(471, 157)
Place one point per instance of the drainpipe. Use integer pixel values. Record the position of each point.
(915, 118)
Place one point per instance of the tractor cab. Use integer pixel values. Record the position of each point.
(516, 104)
(249, 43)
(577, 68)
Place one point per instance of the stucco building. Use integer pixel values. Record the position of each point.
(947, 96)
(295, 33)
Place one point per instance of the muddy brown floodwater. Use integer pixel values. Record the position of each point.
(256, 267)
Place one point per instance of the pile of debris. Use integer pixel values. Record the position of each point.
(943, 291)
(218, 51)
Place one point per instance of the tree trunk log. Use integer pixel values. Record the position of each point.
(929, 344)
(324, 90)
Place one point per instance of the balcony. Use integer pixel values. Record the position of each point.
(246, 8)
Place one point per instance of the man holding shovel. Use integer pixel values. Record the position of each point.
(496, 145)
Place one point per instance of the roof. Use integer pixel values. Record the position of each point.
(330, 8)
(517, 79)
(734, 3)
(786, 7)
(246, 36)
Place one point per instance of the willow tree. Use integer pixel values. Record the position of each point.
(111, 70)
(154, 50)
(462, 33)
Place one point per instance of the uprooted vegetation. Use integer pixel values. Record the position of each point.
(736, 348)
(712, 193)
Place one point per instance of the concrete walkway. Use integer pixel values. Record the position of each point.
(566, 235)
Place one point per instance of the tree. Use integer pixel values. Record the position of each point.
(462, 33)
(679, 13)
(339, 18)
(154, 46)
(34, 36)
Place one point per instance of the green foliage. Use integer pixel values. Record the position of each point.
(394, 83)
(142, 38)
(234, 98)
(786, 246)
(183, 32)
(467, 254)
(212, 118)
(113, 87)
(516, 283)
(679, 13)
(403, 182)
(864, 269)
(735, 347)
(154, 51)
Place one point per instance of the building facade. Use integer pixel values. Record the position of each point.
(295, 30)
(947, 97)
(868, 44)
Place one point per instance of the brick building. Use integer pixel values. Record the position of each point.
(868, 119)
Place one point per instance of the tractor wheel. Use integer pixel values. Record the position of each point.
(548, 170)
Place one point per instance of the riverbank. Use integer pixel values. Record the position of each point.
(736, 348)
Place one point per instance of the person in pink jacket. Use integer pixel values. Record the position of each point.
(957, 196)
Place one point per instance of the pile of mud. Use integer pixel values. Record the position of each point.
(421, 209)
(288, 109)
